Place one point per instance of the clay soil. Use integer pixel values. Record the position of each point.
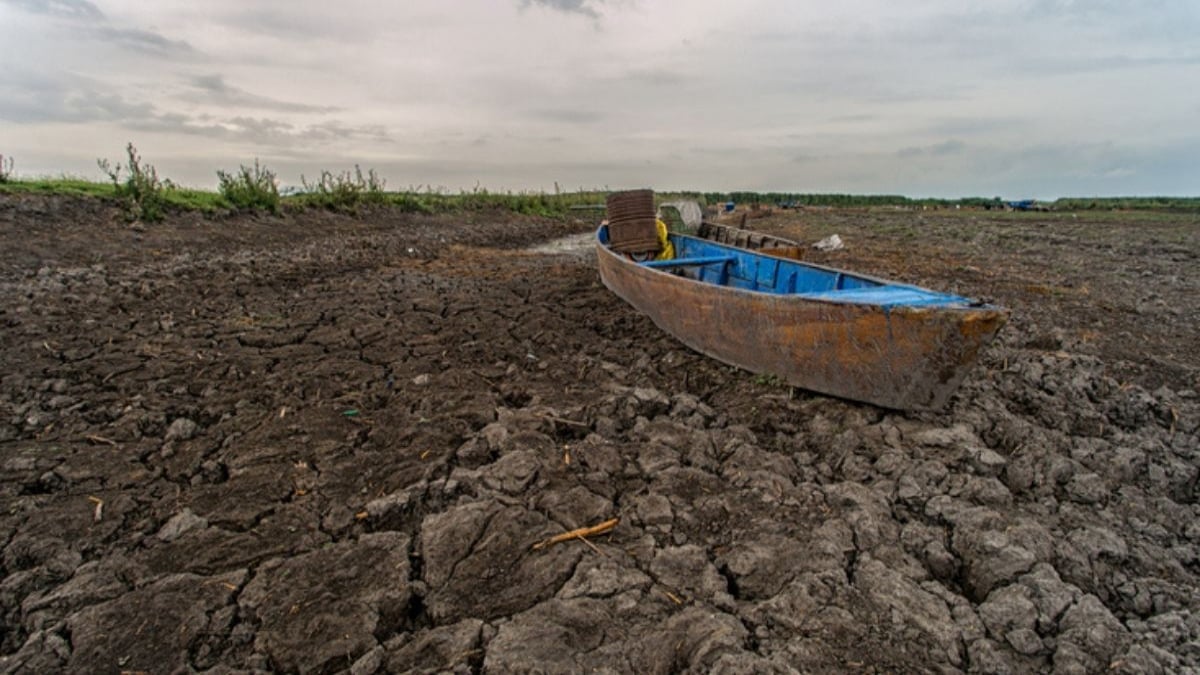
(321, 442)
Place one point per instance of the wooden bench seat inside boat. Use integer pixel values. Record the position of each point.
(687, 262)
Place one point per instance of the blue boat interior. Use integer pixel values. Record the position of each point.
(722, 265)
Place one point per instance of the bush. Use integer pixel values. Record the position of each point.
(345, 190)
(250, 188)
(6, 168)
(525, 203)
(141, 192)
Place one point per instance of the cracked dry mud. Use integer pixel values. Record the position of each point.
(318, 443)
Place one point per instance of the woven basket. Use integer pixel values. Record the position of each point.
(630, 204)
(631, 222)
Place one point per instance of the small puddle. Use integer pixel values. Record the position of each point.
(575, 244)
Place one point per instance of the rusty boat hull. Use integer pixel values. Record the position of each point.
(821, 329)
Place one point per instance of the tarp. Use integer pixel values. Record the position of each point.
(689, 211)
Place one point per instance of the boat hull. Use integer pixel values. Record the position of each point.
(909, 358)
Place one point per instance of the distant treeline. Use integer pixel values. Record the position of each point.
(847, 200)
(793, 199)
(1190, 204)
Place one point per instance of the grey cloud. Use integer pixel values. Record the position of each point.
(656, 76)
(971, 126)
(1087, 36)
(1078, 154)
(89, 19)
(259, 131)
(334, 130)
(168, 122)
(214, 89)
(1094, 9)
(75, 9)
(638, 82)
(583, 7)
(280, 24)
(1080, 64)
(262, 131)
(777, 36)
(865, 84)
(1109, 168)
(87, 106)
(888, 94)
(864, 117)
(213, 84)
(37, 99)
(949, 147)
(568, 116)
(141, 40)
(305, 23)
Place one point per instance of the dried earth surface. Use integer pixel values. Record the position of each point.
(323, 443)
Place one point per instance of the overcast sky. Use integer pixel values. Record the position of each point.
(1018, 98)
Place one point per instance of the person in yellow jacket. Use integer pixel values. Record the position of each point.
(666, 250)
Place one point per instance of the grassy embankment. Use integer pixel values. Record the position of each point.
(145, 196)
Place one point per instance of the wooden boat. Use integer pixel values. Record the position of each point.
(818, 328)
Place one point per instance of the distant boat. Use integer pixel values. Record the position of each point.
(818, 328)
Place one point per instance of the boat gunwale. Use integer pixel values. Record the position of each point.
(966, 305)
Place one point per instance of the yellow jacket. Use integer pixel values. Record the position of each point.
(666, 250)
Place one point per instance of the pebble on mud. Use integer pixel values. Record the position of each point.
(181, 429)
(179, 524)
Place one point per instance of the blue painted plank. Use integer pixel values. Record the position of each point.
(887, 296)
(688, 262)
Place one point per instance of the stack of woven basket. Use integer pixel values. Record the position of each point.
(631, 222)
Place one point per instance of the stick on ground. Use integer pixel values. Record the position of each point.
(578, 533)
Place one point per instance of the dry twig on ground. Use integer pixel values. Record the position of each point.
(578, 533)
